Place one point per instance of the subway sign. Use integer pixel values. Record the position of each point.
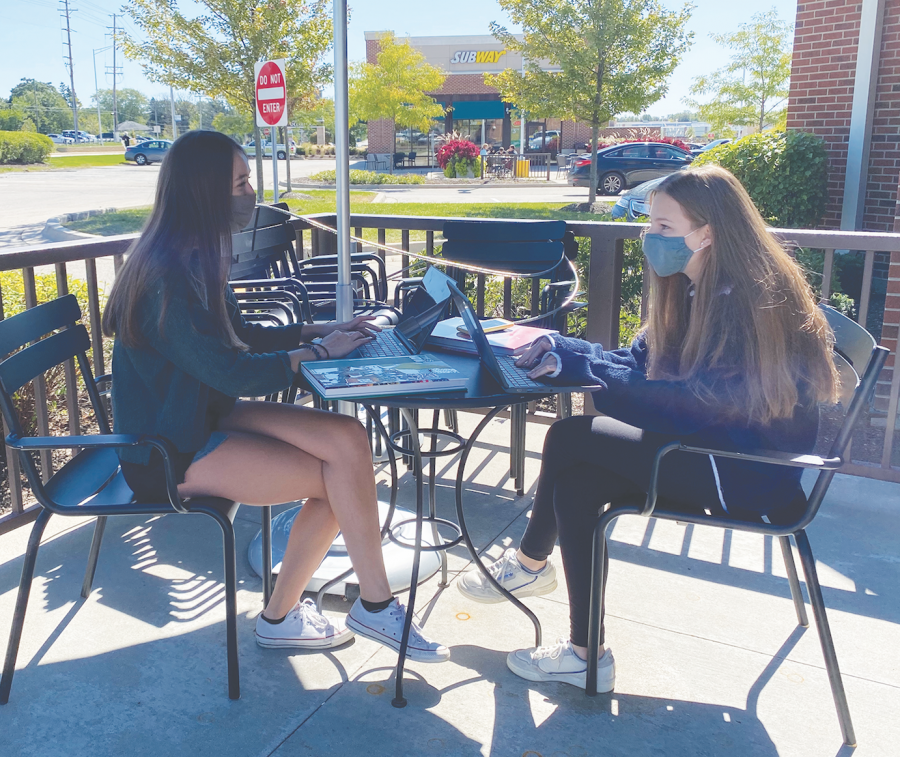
(477, 56)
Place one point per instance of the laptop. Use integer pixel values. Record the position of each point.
(425, 307)
(503, 368)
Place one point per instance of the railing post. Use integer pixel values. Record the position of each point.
(62, 289)
(13, 473)
(90, 266)
(40, 385)
(605, 289)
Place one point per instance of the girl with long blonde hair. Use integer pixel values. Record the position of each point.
(735, 355)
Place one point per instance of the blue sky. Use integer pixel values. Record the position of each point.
(31, 43)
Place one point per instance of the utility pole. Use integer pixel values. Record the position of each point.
(71, 69)
(97, 90)
(172, 101)
(115, 73)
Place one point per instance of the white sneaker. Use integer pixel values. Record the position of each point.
(386, 627)
(304, 626)
(511, 576)
(560, 663)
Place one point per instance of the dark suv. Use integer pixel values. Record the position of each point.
(623, 166)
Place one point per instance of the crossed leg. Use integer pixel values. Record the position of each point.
(280, 453)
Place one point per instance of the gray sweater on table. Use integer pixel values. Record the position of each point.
(184, 377)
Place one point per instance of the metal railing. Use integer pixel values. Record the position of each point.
(603, 293)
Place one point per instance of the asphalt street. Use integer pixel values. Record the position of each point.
(28, 199)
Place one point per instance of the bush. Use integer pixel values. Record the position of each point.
(24, 147)
(457, 157)
(369, 177)
(785, 174)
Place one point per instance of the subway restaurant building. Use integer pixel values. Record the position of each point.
(472, 108)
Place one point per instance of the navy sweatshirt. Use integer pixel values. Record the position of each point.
(671, 408)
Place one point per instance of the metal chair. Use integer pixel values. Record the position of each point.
(91, 483)
(859, 361)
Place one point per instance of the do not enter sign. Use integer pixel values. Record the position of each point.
(271, 94)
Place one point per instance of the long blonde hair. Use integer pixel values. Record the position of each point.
(188, 234)
(752, 324)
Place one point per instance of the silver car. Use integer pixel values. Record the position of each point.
(151, 151)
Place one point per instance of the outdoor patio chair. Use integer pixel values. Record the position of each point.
(91, 483)
(859, 361)
(542, 251)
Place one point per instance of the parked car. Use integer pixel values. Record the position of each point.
(83, 136)
(250, 149)
(149, 151)
(59, 139)
(107, 135)
(714, 143)
(535, 141)
(623, 166)
(634, 204)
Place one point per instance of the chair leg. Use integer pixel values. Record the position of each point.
(831, 663)
(15, 633)
(793, 580)
(598, 581)
(93, 554)
(266, 517)
(234, 674)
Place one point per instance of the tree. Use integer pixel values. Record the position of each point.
(43, 104)
(234, 124)
(613, 56)
(321, 113)
(395, 88)
(753, 88)
(131, 103)
(214, 54)
(11, 119)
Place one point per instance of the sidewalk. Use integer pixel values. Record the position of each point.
(710, 660)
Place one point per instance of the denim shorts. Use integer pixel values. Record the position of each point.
(148, 482)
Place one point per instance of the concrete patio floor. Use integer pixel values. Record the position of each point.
(710, 660)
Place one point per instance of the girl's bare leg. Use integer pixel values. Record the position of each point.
(279, 453)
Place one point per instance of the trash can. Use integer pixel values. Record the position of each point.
(523, 167)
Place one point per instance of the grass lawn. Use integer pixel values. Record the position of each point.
(323, 201)
(87, 160)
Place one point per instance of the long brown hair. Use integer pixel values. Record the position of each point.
(752, 323)
(187, 234)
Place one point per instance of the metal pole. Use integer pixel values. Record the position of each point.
(172, 101)
(97, 91)
(115, 72)
(72, 74)
(344, 297)
(273, 138)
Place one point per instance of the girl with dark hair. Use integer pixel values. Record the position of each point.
(735, 355)
(183, 355)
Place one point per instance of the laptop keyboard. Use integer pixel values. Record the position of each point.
(517, 377)
(385, 344)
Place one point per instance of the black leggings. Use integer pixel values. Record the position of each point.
(587, 463)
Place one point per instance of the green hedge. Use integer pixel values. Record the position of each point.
(369, 177)
(785, 173)
(24, 147)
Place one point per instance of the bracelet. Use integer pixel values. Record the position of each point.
(316, 351)
(327, 353)
(304, 346)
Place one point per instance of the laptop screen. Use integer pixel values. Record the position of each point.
(476, 332)
(420, 316)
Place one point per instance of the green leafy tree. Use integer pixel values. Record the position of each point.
(613, 56)
(320, 113)
(234, 124)
(395, 87)
(214, 54)
(11, 119)
(131, 103)
(752, 89)
(43, 104)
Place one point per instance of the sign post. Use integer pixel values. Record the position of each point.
(271, 108)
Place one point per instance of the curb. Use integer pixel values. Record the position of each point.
(55, 231)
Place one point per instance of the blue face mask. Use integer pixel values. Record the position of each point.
(667, 255)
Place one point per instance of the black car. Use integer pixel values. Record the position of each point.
(623, 166)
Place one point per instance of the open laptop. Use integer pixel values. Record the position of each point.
(503, 368)
(425, 307)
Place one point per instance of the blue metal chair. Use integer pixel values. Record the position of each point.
(859, 360)
(91, 483)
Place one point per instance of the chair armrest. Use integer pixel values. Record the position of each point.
(163, 446)
(105, 378)
(773, 457)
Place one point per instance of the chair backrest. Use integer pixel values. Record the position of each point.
(266, 247)
(525, 247)
(34, 342)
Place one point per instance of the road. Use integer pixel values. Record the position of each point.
(28, 199)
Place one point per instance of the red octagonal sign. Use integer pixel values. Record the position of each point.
(271, 94)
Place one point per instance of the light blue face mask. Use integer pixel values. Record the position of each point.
(667, 255)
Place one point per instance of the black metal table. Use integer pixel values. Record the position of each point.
(481, 392)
